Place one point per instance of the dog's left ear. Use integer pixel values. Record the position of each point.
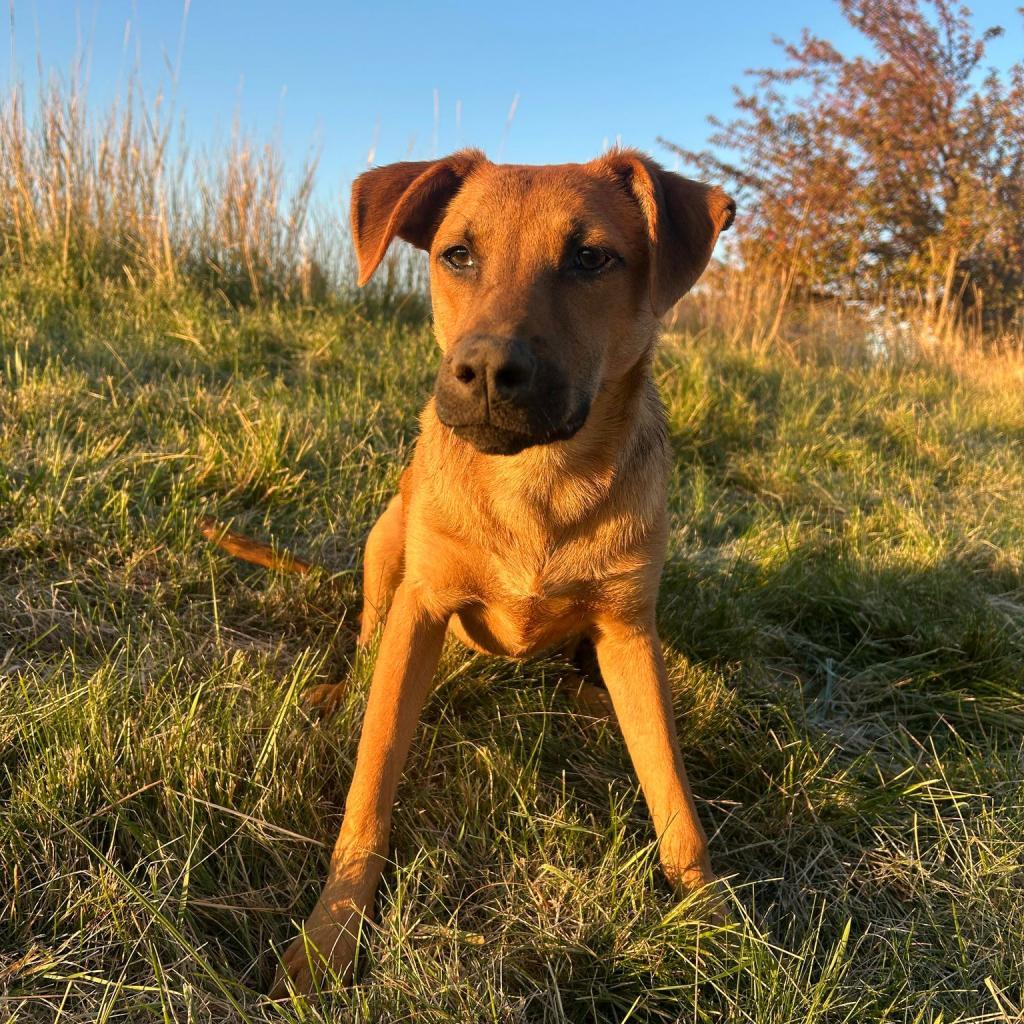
(406, 200)
(684, 219)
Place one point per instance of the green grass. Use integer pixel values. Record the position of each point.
(843, 611)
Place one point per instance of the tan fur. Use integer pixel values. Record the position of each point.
(248, 550)
(522, 553)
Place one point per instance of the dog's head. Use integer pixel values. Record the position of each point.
(546, 282)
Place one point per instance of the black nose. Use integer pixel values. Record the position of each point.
(502, 369)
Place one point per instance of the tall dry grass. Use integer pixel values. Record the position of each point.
(754, 305)
(119, 196)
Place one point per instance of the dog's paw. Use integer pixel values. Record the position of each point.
(322, 954)
(590, 700)
(325, 699)
(711, 894)
(689, 872)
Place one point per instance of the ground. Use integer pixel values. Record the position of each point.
(843, 611)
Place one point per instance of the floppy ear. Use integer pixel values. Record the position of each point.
(684, 219)
(405, 199)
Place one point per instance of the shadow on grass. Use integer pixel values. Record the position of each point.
(828, 710)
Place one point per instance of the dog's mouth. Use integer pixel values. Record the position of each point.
(525, 401)
(492, 439)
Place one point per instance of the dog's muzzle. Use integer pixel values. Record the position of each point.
(501, 396)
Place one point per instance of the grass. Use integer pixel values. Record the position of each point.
(843, 610)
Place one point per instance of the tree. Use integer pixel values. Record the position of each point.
(865, 174)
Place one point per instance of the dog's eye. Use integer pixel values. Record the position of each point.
(458, 257)
(591, 259)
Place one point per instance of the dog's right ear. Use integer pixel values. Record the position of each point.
(406, 200)
(684, 219)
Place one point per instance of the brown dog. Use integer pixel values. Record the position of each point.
(534, 511)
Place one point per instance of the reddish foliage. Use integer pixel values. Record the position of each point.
(866, 174)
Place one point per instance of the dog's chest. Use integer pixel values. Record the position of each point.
(540, 598)
(525, 582)
(520, 626)
(526, 605)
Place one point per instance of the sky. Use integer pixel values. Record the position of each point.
(526, 81)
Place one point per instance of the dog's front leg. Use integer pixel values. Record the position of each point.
(408, 656)
(633, 670)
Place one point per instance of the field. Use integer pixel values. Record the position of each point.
(843, 610)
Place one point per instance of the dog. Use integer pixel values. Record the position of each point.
(533, 514)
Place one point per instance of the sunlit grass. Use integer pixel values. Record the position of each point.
(844, 615)
(843, 611)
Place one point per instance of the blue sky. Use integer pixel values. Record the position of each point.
(348, 77)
